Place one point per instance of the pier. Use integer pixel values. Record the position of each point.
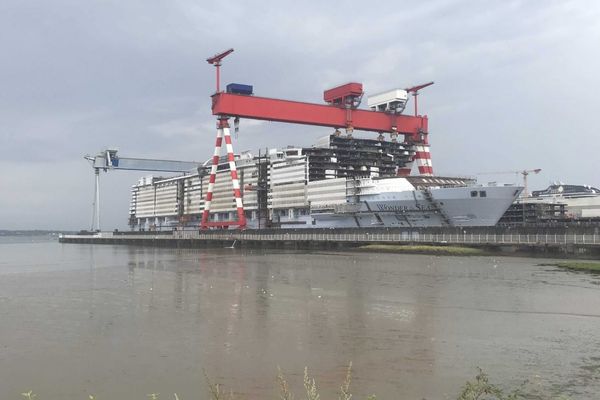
(558, 241)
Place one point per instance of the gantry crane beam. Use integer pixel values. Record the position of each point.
(264, 108)
(104, 161)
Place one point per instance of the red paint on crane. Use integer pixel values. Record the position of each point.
(425, 170)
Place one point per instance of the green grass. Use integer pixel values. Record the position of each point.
(577, 266)
(424, 249)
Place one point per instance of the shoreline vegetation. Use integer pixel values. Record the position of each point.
(424, 249)
(478, 388)
(584, 266)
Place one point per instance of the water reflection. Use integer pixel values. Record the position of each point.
(404, 321)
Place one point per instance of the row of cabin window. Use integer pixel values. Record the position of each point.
(482, 193)
(252, 215)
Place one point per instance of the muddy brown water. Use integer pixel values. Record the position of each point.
(123, 322)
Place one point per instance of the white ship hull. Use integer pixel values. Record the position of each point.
(455, 206)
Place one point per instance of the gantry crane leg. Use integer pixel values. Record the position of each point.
(223, 131)
(423, 156)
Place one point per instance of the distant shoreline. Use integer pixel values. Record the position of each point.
(33, 232)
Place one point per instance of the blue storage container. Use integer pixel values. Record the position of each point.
(239, 88)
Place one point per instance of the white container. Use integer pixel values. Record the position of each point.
(393, 101)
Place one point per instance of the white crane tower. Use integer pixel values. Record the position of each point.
(524, 172)
(108, 160)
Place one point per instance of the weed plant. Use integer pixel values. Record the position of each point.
(479, 388)
(577, 266)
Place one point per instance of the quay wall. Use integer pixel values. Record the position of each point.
(551, 241)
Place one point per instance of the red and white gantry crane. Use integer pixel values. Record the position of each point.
(340, 112)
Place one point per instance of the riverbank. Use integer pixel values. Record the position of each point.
(593, 267)
(425, 249)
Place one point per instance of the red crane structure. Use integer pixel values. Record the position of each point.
(415, 92)
(341, 112)
(216, 61)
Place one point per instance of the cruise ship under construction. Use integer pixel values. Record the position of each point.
(338, 182)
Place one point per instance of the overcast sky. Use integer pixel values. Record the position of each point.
(516, 86)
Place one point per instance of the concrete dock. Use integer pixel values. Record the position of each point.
(582, 241)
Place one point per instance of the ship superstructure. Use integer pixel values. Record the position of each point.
(580, 201)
